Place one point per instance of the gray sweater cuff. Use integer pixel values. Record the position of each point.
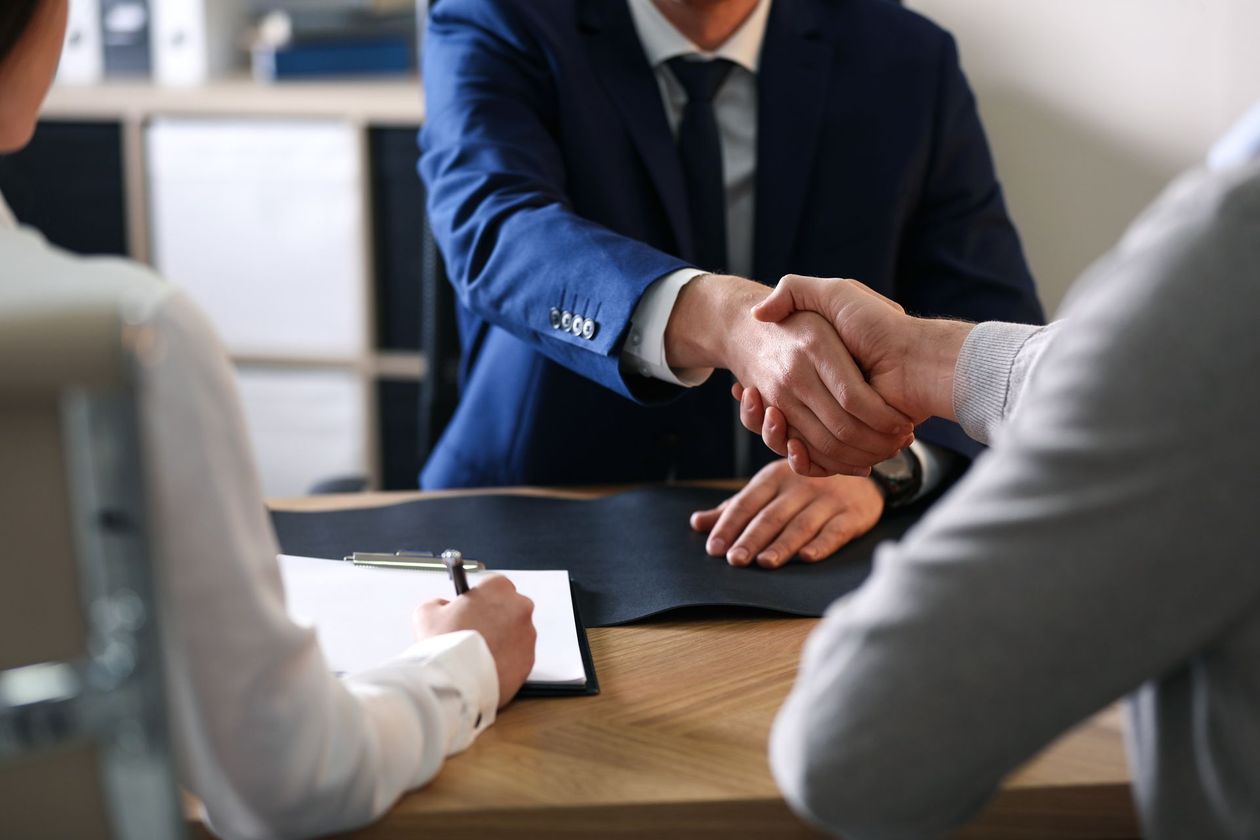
(982, 377)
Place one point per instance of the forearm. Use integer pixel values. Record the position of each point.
(704, 328)
(974, 374)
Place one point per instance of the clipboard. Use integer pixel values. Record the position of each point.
(361, 611)
(591, 687)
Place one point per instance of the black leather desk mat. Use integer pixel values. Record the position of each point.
(631, 555)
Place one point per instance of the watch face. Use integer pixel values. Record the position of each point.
(895, 470)
(898, 477)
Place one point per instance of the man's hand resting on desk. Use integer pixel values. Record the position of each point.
(909, 361)
(799, 365)
(780, 515)
(502, 616)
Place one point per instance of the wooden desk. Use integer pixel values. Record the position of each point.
(675, 746)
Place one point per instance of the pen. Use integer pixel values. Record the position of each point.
(455, 565)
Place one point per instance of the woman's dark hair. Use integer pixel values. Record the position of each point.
(15, 16)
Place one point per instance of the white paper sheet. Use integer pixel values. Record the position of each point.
(363, 615)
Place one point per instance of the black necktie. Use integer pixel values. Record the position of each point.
(700, 148)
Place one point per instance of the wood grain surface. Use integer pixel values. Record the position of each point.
(675, 746)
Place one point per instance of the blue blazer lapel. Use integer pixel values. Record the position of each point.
(792, 91)
(618, 59)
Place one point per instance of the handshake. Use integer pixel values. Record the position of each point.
(832, 374)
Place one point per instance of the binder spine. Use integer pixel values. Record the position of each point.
(194, 41)
(125, 28)
(83, 59)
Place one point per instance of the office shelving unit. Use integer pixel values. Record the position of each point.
(384, 115)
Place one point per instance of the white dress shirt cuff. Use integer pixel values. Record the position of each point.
(463, 675)
(644, 352)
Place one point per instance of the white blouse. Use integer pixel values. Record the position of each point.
(270, 741)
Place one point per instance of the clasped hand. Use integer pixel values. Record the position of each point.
(879, 340)
(798, 363)
(874, 356)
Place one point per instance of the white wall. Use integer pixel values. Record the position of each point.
(1093, 105)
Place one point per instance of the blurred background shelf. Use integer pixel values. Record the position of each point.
(292, 212)
(1081, 146)
(378, 102)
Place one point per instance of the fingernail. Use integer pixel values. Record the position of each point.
(768, 558)
(738, 556)
(807, 554)
(717, 546)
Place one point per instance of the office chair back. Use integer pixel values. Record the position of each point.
(83, 739)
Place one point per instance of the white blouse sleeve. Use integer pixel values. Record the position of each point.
(271, 742)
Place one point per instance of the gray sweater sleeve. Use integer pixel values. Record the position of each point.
(1106, 538)
(992, 371)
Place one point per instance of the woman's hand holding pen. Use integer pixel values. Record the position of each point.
(502, 616)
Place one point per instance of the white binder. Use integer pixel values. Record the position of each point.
(305, 426)
(83, 60)
(195, 41)
(262, 222)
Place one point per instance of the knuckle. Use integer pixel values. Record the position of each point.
(851, 397)
(843, 429)
(832, 449)
(813, 343)
(839, 532)
(735, 516)
(844, 394)
(771, 522)
(745, 505)
(792, 535)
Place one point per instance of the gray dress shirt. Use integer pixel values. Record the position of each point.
(1107, 546)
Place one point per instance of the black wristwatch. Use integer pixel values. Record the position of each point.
(900, 478)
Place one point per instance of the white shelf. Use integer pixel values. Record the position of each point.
(395, 101)
(362, 104)
(380, 364)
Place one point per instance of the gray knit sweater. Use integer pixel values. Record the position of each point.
(1108, 545)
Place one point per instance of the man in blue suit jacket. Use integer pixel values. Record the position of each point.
(559, 200)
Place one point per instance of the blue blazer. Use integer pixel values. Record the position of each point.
(554, 186)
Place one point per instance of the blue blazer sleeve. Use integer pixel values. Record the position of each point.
(497, 200)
